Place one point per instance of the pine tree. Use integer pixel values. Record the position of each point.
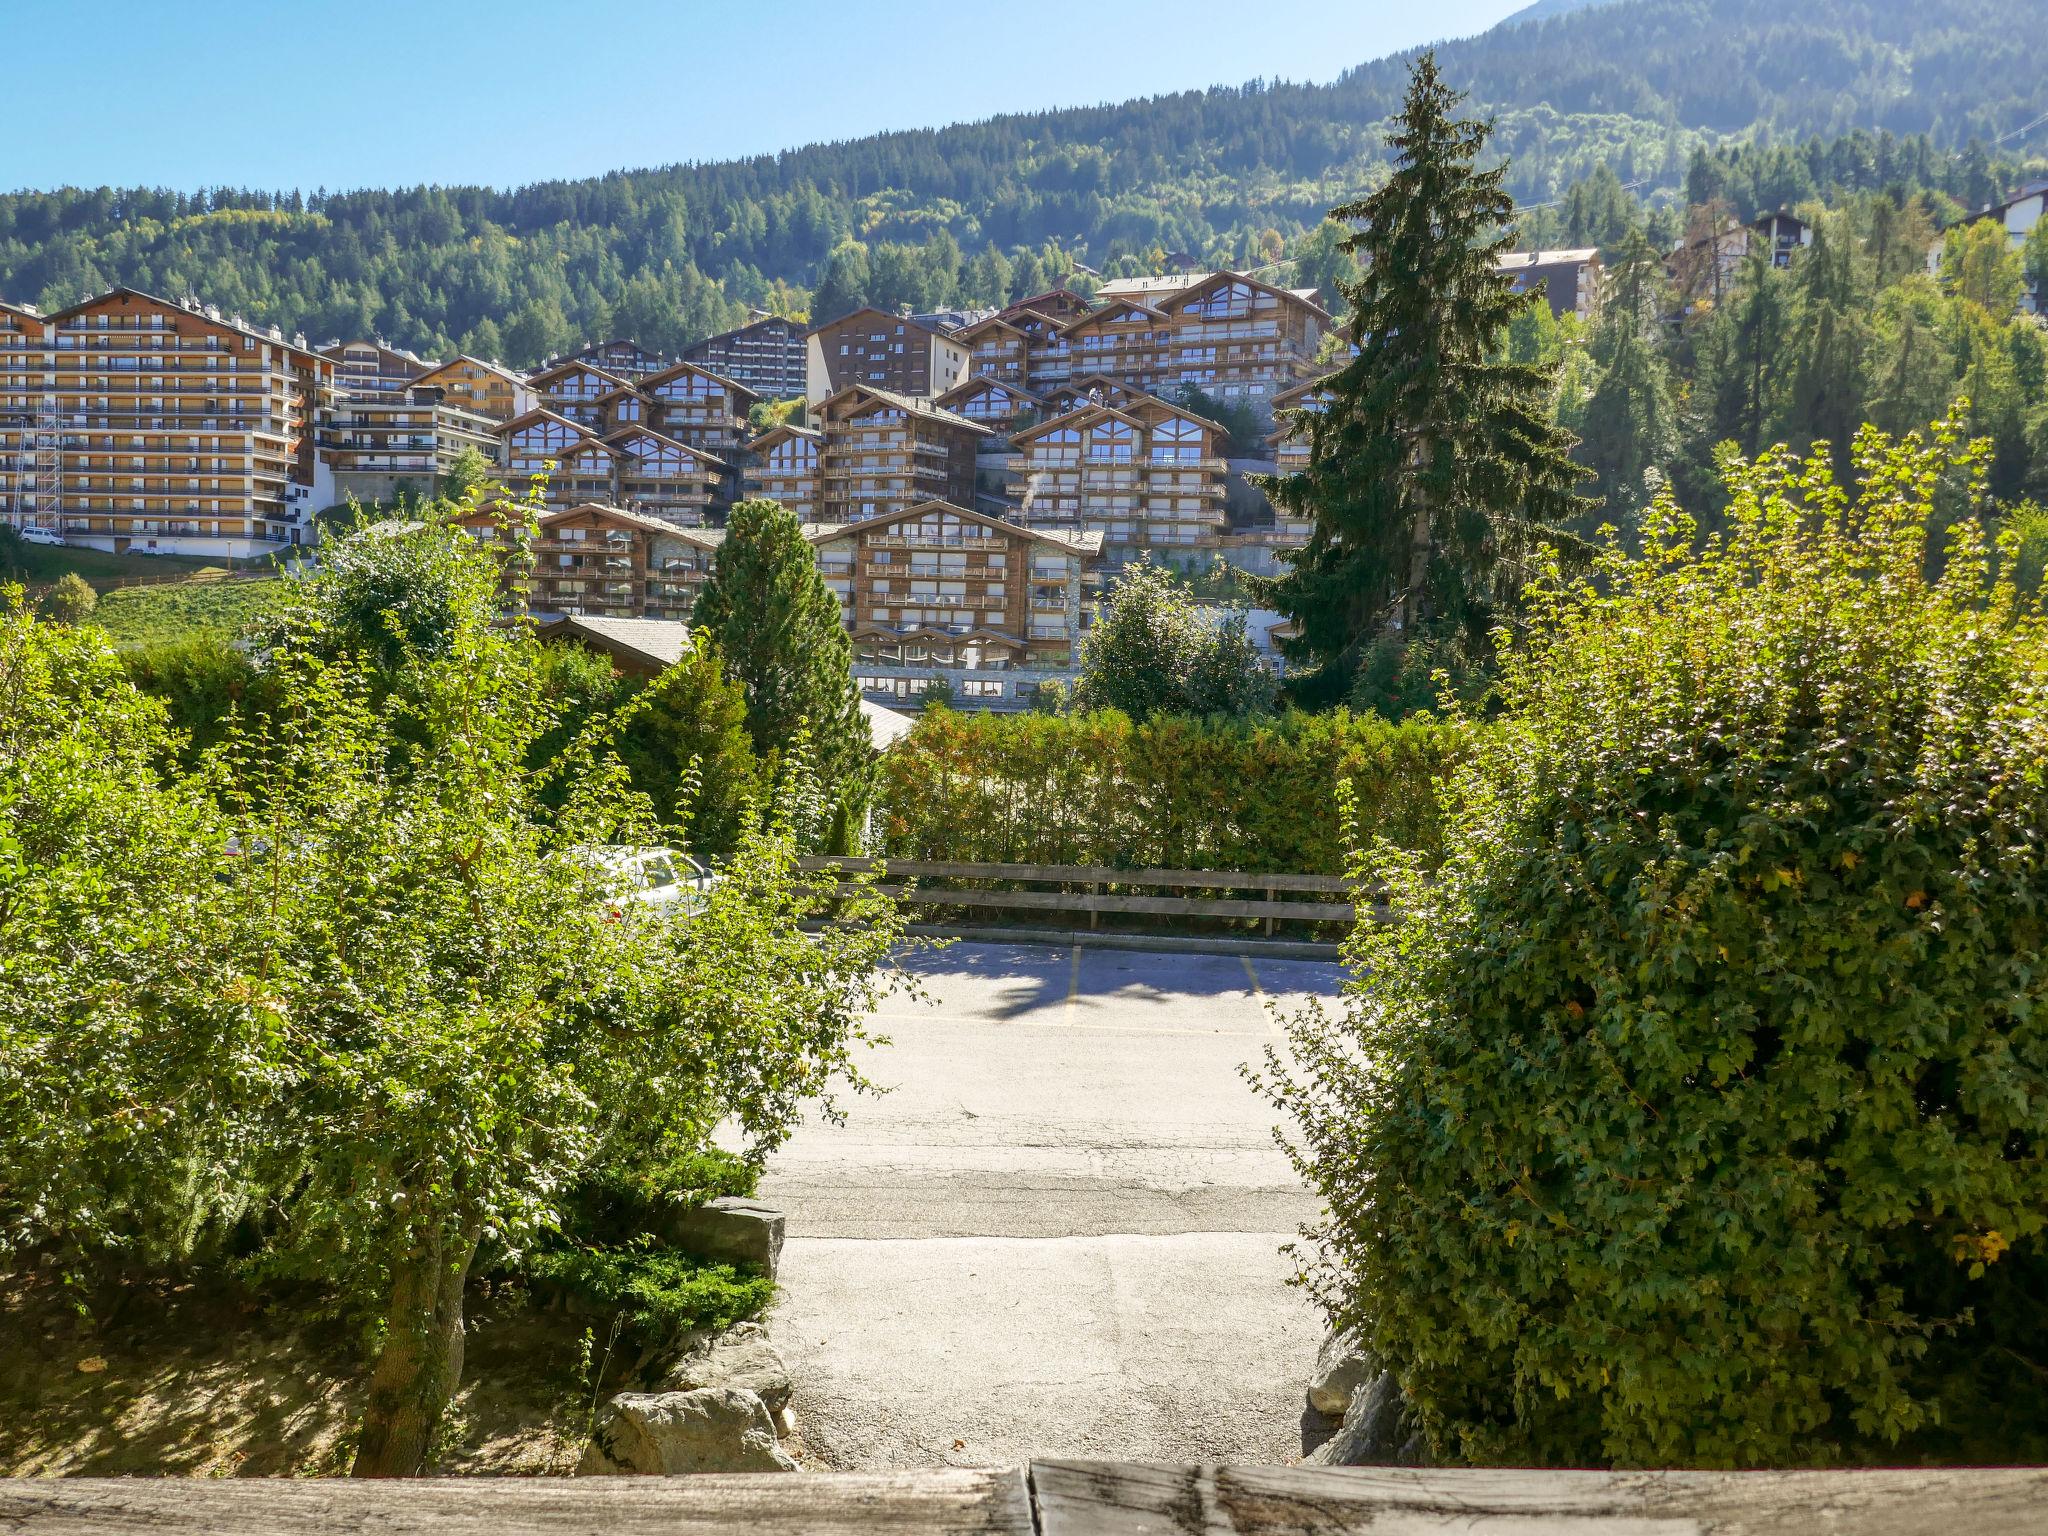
(1436, 471)
(1828, 345)
(1739, 362)
(777, 625)
(1628, 427)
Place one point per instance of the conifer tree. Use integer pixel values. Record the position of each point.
(1829, 344)
(1628, 427)
(1435, 471)
(777, 625)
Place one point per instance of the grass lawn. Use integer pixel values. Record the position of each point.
(42, 563)
(137, 616)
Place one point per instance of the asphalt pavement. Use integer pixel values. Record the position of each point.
(1058, 1231)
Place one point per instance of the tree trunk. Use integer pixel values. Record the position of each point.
(421, 1362)
(1408, 612)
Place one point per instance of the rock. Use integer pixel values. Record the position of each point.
(1378, 1431)
(730, 1231)
(713, 1429)
(740, 1357)
(1342, 1367)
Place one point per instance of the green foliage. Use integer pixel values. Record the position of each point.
(1436, 473)
(616, 1204)
(351, 990)
(776, 624)
(209, 689)
(1166, 793)
(659, 1294)
(1696, 1116)
(70, 601)
(1152, 651)
(466, 479)
(1628, 423)
(685, 744)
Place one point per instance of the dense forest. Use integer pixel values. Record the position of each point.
(1596, 109)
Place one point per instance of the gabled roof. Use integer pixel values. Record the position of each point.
(541, 378)
(906, 404)
(1194, 290)
(652, 642)
(496, 369)
(1120, 309)
(653, 381)
(882, 315)
(1049, 302)
(540, 413)
(968, 333)
(1073, 543)
(776, 434)
(980, 381)
(636, 429)
(886, 727)
(334, 349)
(600, 509)
(233, 323)
(1126, 413)
(1511, 261)
(1293, 392)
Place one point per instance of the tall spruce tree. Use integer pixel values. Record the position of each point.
(1435, 471)
(777, 625)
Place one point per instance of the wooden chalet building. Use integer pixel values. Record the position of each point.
(991, 402)
(574, 388)
(881, 351)
(883, 452)
(371, 369)
(130, 422)
(604, 560)
(1144, 474)
(789, 467)
(485, 388)
(766, 355)
(1022, 344)
(935, 590)
(694, 405)
(635, 467)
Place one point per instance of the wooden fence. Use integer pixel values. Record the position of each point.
(1099, 889)
(1059, 1498)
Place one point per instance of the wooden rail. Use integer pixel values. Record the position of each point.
(1098, 898)
(1059, 1498)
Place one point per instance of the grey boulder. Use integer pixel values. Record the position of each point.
(1378, 1431)
(713, 1429)
(730, 1231)
(1342, 1367)
(740, 1357)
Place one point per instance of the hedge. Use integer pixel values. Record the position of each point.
(1170, 792)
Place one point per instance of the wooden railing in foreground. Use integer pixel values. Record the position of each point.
(1087, 888)
(1059, 1498)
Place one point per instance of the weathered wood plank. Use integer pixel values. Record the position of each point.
(957, 1503)
(1087, 874)
(1143, 1499)
(1087, 901)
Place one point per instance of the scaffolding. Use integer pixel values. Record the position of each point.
(38, 487)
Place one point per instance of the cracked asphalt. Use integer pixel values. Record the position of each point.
(1059, 1232)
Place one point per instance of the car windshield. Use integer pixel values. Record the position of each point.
(657, 872)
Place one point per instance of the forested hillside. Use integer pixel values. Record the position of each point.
(1632, 89)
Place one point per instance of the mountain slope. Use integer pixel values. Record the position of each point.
(1634, 85)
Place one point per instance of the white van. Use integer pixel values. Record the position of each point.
(42, 536)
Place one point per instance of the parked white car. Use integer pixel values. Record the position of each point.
(654, 877)
(48, 536)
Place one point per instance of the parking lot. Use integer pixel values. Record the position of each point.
(1059, 1231)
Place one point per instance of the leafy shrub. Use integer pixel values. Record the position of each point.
(658, 1292)
(624, 1201)
(1699, 1113)
(204, 683)
(1168, 792)
(70, 601)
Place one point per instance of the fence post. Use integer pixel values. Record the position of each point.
(1272, 894)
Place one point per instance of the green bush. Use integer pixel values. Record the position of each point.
(1167, 792)
(658, 1293)
(1699, 1113)
(623, 1202)
(204, 682)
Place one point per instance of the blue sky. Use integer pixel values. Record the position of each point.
(377, 93)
